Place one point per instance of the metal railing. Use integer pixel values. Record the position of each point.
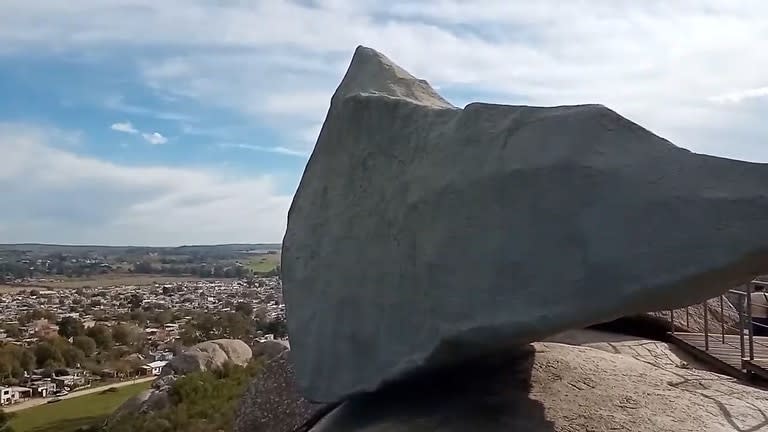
(744, 327)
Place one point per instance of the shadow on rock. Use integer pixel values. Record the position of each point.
(490, 394)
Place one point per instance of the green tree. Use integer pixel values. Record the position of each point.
(12, 330)
(245, 309)
(85, 344)
(70, 327)
(139, 316)
(163, 317)
(73, 356)
(102, 335)
(47, 355)
(125, 334)
(235, 325)
(136, 301)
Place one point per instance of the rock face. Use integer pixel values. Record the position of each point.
(423, 234)
(637, 386)
(269, 349)
(209, 355)
(694, 321)
(272, 403)
(151, 400)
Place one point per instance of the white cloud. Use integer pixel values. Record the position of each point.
(742, 95)
(277, 62)
(154, 138)
(278, 150)
(117, 103)
(50, 195)
(126, 127)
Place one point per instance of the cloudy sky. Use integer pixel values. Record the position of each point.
(189, 121)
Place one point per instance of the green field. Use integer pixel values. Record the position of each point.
(70, 414)
(264, 263)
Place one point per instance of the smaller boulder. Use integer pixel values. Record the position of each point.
(209, 355)
(164, 383)
(270, 349)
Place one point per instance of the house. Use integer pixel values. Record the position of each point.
(11, 395)
(161, 355)
(68, 382)
(43, 388)
(154, 368)
(5, 396)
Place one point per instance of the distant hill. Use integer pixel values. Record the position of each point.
(223, 249)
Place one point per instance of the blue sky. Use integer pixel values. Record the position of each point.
(178, 122)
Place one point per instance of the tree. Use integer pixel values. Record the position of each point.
(125, 334)
(138, 316)
(34, 293)
(12, 331)
(164, 317)
(136, 301)
(48, 355)
(235, 325)
(101, 335)
(85, 344)
(73, 357)
(70, 327)
(245, 309)
(277, 328)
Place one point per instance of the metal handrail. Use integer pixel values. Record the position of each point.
(744, 310)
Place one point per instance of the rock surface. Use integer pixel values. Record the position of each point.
(148, 401)
(269, 349)
(423, 234)
(693, 321)
(209, 355)
(272, 402)
(635, 386)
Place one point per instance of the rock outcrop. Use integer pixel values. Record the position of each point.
(637, 386)
(272, 403)
(692, 320)
(209, 355)
(148, 401)
(423, 235)
(270, 349)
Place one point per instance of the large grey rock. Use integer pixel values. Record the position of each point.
(638, 386)
(424, 234)
(209, 355)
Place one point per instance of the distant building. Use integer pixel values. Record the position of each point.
(154, 368)
(12, 395)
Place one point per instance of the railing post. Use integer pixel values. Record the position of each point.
(740, 310)
(687, 319)
(749, 322)
(706, 325)
(722, 319)
(672, 320)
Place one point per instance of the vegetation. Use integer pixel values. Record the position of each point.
(200, 402)
(5, 419)
(19, 262)
(71, 414)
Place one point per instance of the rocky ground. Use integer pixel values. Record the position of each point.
(617, 385)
